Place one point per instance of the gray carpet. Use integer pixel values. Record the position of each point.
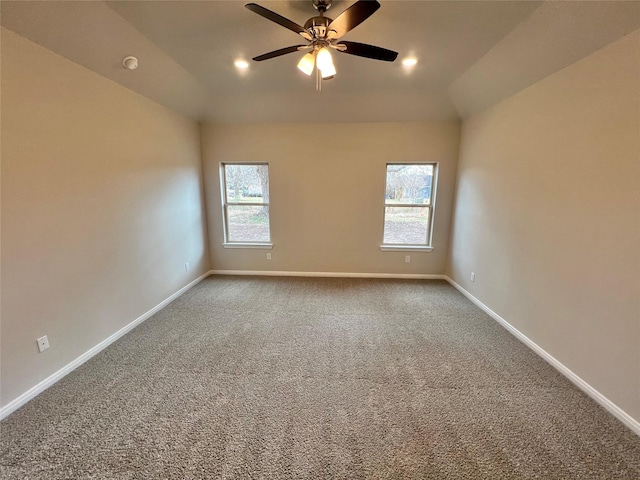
(308, 378)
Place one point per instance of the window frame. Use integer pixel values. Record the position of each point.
(428, 245)
(226, 203)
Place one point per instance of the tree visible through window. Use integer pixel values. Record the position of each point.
(245, 198)
(408, 205)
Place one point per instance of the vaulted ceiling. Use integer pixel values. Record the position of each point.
(471, 54)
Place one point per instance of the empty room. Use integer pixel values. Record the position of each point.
(320, 239)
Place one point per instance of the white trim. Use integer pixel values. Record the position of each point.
(16, 403)
(263, 246)
(270, 273)
(616, 411)
(405, 248)
(611, 407)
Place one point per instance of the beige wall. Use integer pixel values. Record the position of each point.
(101, 208)
(102, 205)
(327, 193)
(547, 215)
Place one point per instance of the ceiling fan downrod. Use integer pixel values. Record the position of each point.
(321, 5)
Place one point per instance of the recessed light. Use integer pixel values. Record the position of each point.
(409, 61)
(241, 64)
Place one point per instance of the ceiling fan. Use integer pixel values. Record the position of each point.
(324, 33)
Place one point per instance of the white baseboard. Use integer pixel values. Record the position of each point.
(616, 411)
(415, 276)
(611, 407)
(50, 380)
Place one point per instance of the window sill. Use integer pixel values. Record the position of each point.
(262, 246)
(405, 248)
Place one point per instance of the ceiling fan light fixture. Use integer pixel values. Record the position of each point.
(328, 72)
(306, 64)
(324, 60)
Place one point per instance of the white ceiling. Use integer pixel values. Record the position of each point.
(471, 54)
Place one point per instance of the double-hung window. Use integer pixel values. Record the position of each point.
(245, 204)
(408, 205)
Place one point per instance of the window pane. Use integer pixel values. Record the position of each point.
(409, 184)
(406, 225)
(248, 223)
(247, 183)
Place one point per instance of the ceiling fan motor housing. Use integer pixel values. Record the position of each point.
(318, 25)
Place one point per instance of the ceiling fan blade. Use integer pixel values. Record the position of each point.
(368, 51)
(279, 19)
(353, 16)
(277, 53)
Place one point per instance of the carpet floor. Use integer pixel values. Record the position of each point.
(316, 378)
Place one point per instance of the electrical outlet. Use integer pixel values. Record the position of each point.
(473, 276)
(43, 343)
(407, 259)
(186, 267)
(268, 256)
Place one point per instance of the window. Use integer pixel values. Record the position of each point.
(408, 205)
(245, 200)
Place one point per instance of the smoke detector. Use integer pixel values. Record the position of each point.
(130, 63)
